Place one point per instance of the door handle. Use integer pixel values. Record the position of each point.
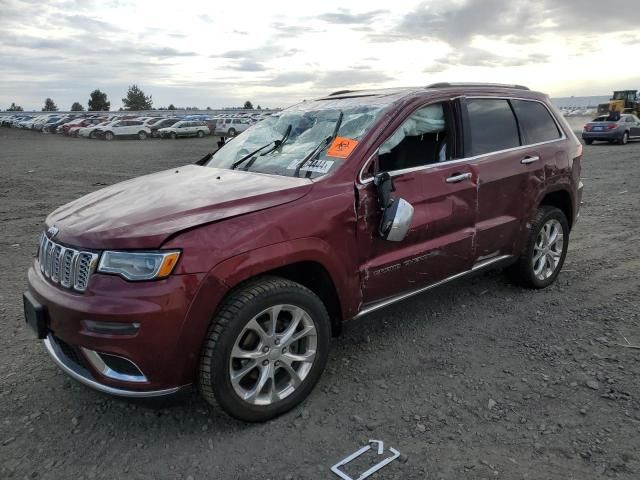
(458, 177)
(528, 160)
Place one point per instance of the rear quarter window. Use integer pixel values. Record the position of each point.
(492, 124)
(536, 123)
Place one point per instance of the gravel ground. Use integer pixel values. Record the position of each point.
(477, 379)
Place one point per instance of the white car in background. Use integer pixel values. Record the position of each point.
(185, 128)
(123, 129)
(231, 126)
(90, 130)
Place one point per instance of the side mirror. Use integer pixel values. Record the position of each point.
(397, 213)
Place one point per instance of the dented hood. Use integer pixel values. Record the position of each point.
(145, 211)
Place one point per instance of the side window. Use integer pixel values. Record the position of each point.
(536, 123)
(492, 124)
(630, 120)
(422, 139)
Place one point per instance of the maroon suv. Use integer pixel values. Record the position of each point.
(233, 273)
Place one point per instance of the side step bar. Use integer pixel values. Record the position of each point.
(372, 307)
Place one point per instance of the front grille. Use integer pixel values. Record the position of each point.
(68, 267)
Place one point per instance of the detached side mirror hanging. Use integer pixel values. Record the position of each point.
(397, 213)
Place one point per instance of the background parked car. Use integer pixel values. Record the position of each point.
(124, 129)
(185, 129)
(162, 123)
(90, 130)
(620, 131)
(231, 126)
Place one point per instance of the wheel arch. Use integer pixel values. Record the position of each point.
(560, 199)
(307, 261)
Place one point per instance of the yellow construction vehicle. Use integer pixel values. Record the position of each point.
(623, 101)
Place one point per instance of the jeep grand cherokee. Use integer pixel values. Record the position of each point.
(233, 273)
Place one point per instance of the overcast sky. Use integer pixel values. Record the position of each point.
(275, 53)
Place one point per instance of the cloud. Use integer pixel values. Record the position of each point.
(350, 78)
(345, 17)
(247, 66)
(85, 23)
(517, 21)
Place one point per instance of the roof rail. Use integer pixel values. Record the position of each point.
(473, 84)
(341, 92)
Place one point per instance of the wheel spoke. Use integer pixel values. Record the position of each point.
(274, 313)
(254, 326)
(238, 375)
(295, 378)
(306, 357)
(305, 332)
(238, 352)
(285, 336)
(536, 255)
(265, 374)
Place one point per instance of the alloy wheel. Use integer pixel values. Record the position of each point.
(547, 250)
(273, 354)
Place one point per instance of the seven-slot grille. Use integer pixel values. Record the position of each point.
(68, 267)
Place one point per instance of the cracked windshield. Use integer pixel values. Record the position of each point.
(308, 140)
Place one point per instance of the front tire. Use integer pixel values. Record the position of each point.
(173, 135)
(265, 349)
(546, 249)
(108, 136)
(624, 139)
(231, 132)
(200, 134)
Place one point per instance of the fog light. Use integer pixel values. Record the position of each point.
(111, 328)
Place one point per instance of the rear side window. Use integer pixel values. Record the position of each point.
(536, 123)
(493, 125)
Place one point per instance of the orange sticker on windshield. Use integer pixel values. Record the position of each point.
(341, 147)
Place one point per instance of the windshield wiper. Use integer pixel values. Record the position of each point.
(277, 143)
(320, 147)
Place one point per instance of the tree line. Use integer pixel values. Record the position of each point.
(135, 100)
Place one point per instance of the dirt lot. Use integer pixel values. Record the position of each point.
(477, 379)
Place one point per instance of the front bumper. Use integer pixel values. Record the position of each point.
(160, 355)
(72, 367)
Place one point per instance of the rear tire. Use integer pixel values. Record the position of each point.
(231, 132)
(269, 381)
(142, 135)
(588, 142)
(546, 249)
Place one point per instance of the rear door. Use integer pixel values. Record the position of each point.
(422, 157)
(504, 147)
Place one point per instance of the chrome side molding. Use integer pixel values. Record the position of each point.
(403, 296)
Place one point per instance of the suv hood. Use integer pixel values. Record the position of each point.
(145, 211)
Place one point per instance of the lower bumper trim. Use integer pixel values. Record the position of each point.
(83, 376)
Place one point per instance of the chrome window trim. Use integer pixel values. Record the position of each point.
(395, 173)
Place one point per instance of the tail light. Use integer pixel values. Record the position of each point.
(587, 127)
(611, 126)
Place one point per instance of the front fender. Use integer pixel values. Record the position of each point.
(255, 262)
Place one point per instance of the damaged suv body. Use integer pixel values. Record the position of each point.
(233, 274)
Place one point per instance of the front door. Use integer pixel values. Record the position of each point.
(421, 158)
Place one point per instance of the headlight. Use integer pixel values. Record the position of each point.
(139, 265)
